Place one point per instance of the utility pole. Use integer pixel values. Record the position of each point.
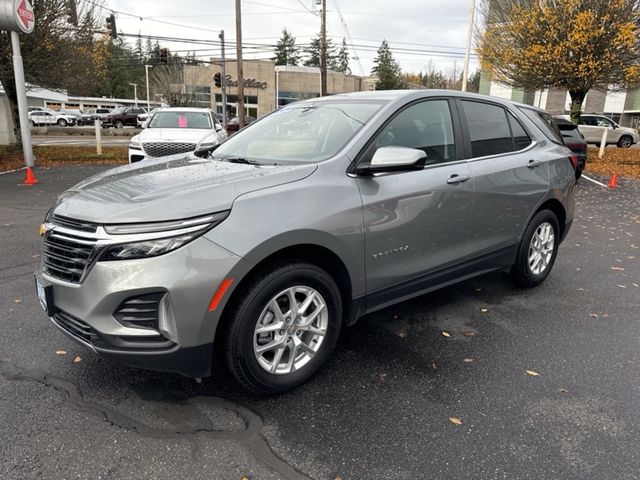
(223, 80)
(146, 72)
(135, 93)
(239, 61)
(467, 53)
(323, 49)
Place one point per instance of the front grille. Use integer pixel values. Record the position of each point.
(164, 149)
(75, 224)
(140, 312)
(67, 257)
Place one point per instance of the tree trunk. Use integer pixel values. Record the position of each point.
(577, 97)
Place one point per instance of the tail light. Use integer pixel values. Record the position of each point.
(573, 158)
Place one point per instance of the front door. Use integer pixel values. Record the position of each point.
(416, 222)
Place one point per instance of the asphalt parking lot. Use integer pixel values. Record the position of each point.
(383, 406)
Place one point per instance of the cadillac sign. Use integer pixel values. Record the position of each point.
(16, 16)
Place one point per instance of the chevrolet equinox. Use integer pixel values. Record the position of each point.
(259, 250)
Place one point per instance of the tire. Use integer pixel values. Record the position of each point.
(32, 123)
(246, 351)
(119, 124)
(524, 272)
(62, 122)
(625, 141)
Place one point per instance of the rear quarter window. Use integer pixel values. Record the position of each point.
(544, 122)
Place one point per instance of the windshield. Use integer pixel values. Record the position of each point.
(306, 132)
(174, 119)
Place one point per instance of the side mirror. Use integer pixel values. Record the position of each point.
(218, 127)
(206, 146)
(391, 159)
(145, 124)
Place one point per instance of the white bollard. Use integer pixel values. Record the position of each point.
(98, 138)
(603, 143)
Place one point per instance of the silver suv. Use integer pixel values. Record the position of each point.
(263, 248)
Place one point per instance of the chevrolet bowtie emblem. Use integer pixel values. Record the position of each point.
(43, 229)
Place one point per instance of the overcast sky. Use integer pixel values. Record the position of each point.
(421, 27)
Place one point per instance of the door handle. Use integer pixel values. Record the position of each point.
(534, 163)
(455, 178)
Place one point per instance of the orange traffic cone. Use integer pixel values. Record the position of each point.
(31, 178)
(613, 182)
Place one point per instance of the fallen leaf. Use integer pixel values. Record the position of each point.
(382, 376)
(563, 390)
(455, 420)
(622, 286)
(401, 334)
(469, 333)
(484, 310)
(581, 289)
(61, 352)
(35, 256)
(77, 359)
(594, 315)
(244, 477)
(533, 373)
(338, 477)
(617, 268)
(446, 334)
(17, 300)
(434, 365)
(468, 360)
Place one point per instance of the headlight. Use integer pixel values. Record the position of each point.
(135, 145)
(157, 238)
(150, 248)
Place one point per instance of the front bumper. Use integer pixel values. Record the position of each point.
(186, 279)
(136, 155)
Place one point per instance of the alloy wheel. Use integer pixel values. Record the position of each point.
(290, 330)
(541, 248)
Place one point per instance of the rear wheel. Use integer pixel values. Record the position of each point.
(538, 250)
(283, 328)
(625, 141)
(119, 124)
(62, 122)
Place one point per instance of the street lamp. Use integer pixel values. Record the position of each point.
(146, 72)
(135, 92)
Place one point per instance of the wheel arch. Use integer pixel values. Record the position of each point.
(559, 211)
(315, 254)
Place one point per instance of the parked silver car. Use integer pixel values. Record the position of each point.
(298, 225)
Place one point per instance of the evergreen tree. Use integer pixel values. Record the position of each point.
(313, 50)
(387, 69)
(139, 51)
(286, 52)
(342, 59)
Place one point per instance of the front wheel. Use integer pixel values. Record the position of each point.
(538, 250)
(283, 328)
(62, 122)
(625, 141)
(119, 124)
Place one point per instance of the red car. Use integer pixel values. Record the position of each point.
(232, 125)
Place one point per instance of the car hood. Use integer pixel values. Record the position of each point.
(177, 135)
(170, 189)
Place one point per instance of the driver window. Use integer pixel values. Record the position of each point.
(604, 122)
(425, 126)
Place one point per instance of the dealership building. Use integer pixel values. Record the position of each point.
(266, 86)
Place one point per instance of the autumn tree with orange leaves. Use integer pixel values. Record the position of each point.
(575, 44)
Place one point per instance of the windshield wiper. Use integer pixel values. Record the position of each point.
(238, 160)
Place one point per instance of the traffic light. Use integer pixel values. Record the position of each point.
(217, 80)
(164, 55)
(111, 26)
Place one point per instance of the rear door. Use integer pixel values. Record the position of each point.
(416, 222)
(509, 178)
(591, 131)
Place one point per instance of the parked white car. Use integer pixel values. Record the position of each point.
(51, 117)
(172, 131)
(592, 126)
